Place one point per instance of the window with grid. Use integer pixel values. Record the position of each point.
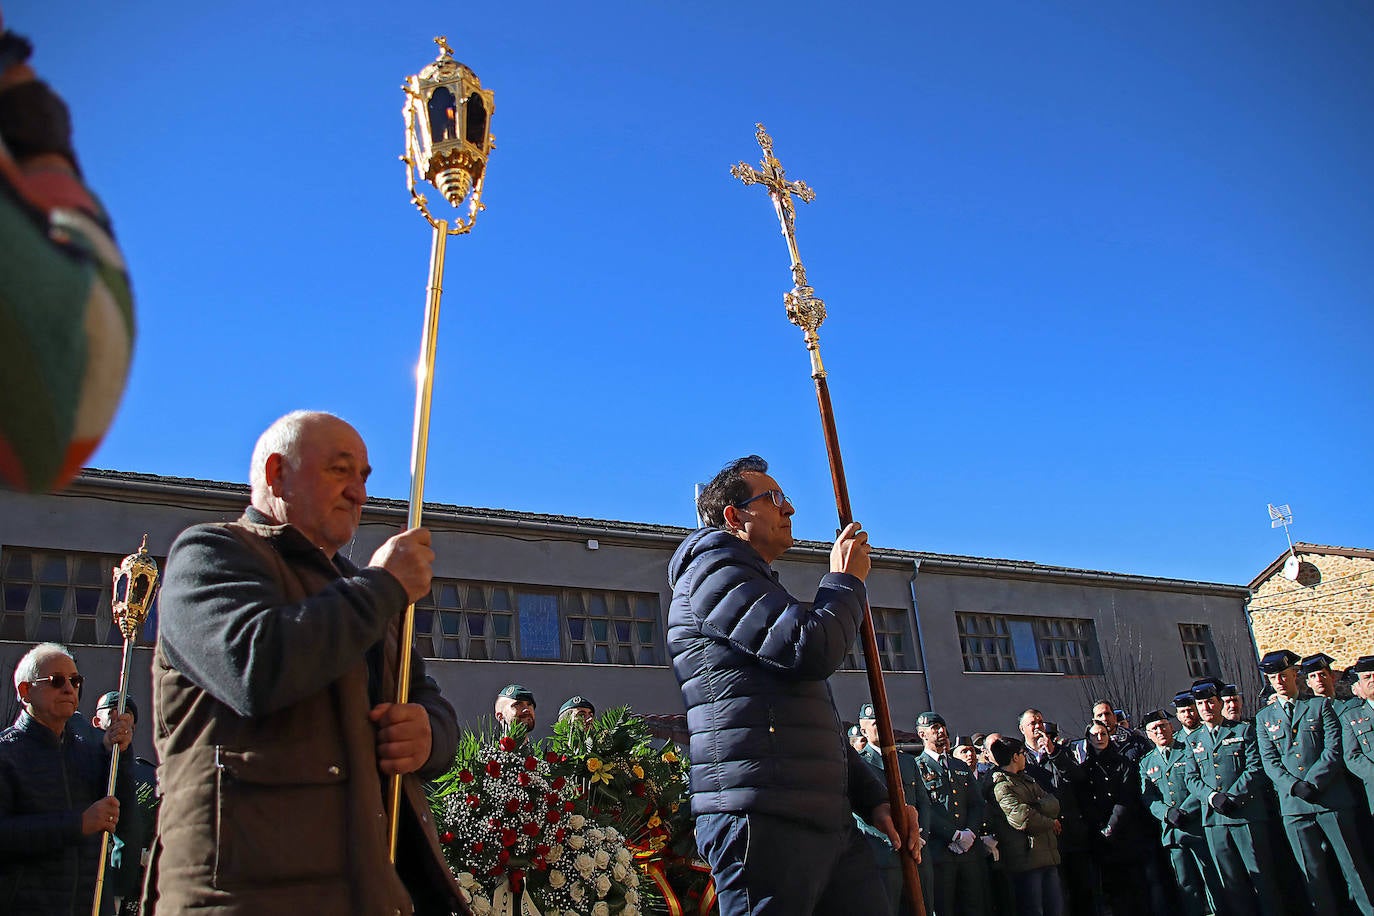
(484, 620)
(62, 596)
(1198, 649)
(1000, 642)
(894, 635)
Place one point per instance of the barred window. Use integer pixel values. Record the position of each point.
(1198, 649)
(63, 596)
(1000, 642)
(484, 620)
(894, 636)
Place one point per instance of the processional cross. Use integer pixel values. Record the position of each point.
(803, 308)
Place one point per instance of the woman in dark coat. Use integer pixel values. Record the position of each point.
(1110, 804)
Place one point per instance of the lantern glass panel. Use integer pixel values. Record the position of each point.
(443, 115)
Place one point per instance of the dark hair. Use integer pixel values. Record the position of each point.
(1004, 749)
(727, 488)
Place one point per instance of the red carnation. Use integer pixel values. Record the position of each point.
(466, 775)
(550, 757)
(595, 810)
(507, 743)
(527, 807)
(477, 847)
(531, 829)
(540, 863)
(638, 789)
(512, 805)
(474, 801)
(517, 879)
(560, 834)
(493, 769)
(531, 763)
(542, 849)
(568, 806)
(552, 816)
(558, 783)
(523, 779)
(503, 856)
(551, 799)
(494, 822)
(496, 869)
(508, 837)
(447, 837)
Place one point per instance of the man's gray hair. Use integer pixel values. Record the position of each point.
(281, 438)
(27, 668)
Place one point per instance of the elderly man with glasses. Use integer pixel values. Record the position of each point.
(774, 780)
(53, 805)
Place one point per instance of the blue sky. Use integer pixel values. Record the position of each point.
(1098, 275)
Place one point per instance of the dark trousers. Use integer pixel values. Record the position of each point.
(1038, 892)
(961, 884)
(1078, 877)
(1199, 883)
(768, 866)
(1305, 835)
(1243, 859)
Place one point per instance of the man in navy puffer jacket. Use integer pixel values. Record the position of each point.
(774, 781)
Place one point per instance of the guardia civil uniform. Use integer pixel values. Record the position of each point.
(889, 866)
(1300, 746)
(1234, 820)
(1171, 788)
(1357, 735)
(956, 804)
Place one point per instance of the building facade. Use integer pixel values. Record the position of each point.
(1328, 607)
(578, 606)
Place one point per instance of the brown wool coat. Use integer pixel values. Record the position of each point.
(280, 814)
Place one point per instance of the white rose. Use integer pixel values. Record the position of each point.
(557, 878)
(576, 891)
(577, 822)
(576, 842)
(603, 885)
(632, 897)
(555, 853)
(585, 864)
(618, 872)
(603, 858)
(632, 879)
(595, 835)
(601, 909)
(622, 855)
(630, 910)
(466, 880)
(480, 907)
(612, 834)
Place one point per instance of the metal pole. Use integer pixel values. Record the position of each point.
(419, 451)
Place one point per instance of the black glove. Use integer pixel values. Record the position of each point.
(1223, 803)
(1304, 790)
(1173, 816)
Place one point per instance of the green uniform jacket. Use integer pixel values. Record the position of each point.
(1357, 742)
(1024, 822)
(1228, 761)
(915, 792)
(956, 803)
(1307, 750)
(1171, 783)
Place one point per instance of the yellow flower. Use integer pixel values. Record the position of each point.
(655, 821)
(593, 764)
(669, 757)
(638, 771)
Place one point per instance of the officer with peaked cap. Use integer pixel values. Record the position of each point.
(1357, 726)
(577, 707)
(1232, 703)
(1316, 671)
(857, 738)
(956, 817)
(1185, 710)
(1234, 818)
(888, 864)
(1300, 745)
(125, 875)
(1171, 788)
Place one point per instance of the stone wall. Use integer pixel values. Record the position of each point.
(1329, 609)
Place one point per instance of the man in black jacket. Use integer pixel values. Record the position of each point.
(774, 780)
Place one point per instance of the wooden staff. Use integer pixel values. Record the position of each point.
(808, 312)
(135, 584)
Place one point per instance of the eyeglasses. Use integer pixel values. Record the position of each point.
(777, 496)
(58, 681)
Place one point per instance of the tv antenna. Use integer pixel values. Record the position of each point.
(1282, 517)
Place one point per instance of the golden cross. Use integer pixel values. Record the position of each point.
(803, 308)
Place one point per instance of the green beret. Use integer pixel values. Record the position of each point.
(575, 702)
(518, 692)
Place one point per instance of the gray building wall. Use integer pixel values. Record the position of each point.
(108, 512)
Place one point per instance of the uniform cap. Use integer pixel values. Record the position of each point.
(854, 731)
(962, 741)
(517, 692)
(1184, 698)
(1315, 663)
(927, 719)
(111, 701)
(1228, 690)
(1278, 660)
(1205, 687)
(1364, 663)
(866, 711)
(573, 702)
(1157, 715)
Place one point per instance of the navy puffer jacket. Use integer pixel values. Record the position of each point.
(752, 663)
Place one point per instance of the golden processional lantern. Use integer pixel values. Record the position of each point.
(448, 133)
(448, 139)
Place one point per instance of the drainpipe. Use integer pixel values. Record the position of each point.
(920, 637)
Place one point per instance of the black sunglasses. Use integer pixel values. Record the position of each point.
(58, 681)
(777, 496)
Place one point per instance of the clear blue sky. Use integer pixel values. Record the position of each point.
(1099, 276)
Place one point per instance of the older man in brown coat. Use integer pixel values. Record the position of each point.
(271, 675)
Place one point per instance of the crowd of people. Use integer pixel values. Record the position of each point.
(1202, 810)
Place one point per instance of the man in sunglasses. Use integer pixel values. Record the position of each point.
(53, 806)
(774, 781)
(274, 661)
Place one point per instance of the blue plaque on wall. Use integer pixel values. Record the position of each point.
(539, 627)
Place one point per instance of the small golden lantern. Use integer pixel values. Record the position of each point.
(135, 585)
